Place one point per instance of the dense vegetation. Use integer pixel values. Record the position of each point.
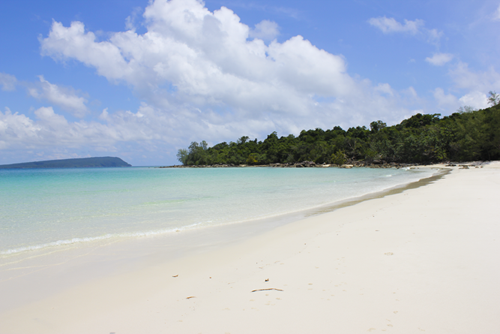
(71, 163)
(464, 136)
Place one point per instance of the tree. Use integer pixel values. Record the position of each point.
(242, 140)
(493, 98)
(253, 158)
(377, 125)
(465, 109)
(182, 155)
(338, 158)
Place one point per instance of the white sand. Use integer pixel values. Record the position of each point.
(427, 259)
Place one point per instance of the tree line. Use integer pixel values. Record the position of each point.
(465, 135)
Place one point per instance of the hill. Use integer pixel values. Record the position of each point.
(71, 163)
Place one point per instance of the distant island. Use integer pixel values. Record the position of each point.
(71, 163)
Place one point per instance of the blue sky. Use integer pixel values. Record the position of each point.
(141, 79)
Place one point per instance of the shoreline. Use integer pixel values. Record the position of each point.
(68, 244)
(349, 164)
(310, 263)
(30, 262)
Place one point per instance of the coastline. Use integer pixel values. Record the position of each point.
(103, 256)
(422, 259)
(348, 164)
(313, 199)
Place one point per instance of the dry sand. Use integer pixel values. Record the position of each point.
(426, 259)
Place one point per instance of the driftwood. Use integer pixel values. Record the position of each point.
(191, 297)
(266, 289)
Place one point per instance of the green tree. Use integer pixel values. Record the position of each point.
(338, 158)
(377, 125)
(253, 159)
(182, 156)
(493, 98)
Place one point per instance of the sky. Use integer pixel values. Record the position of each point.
(141, 79)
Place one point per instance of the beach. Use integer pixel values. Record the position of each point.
(425, 259)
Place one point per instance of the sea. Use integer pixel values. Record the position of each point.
(44, 209)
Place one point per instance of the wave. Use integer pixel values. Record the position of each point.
(108, 236)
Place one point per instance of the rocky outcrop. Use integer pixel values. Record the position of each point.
(305, 164)
(311, 164)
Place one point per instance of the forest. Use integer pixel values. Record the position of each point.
(466, 135)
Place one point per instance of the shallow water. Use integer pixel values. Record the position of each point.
(48, 208)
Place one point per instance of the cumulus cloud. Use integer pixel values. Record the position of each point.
(439, 59)
(148, 125)
(193, 58)
(8, 82)
(475, 99)
(15, 128)
(416, 27)
(66, 98)
(265, 30)
(49, 129)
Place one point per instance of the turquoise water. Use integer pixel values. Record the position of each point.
(43, 208)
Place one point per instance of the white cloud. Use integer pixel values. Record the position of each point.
(130, 21)
(445, 100)
(208, 62)
(496, 15)
(475, 99)
(8, 81)
(390, 25)
(65, 98)
(51, 130)
(471, 80)
(384, 88)
(416, 27)
(15, 128)
(433, 36)
(474, 85)
(265, 30)
(439, 59)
